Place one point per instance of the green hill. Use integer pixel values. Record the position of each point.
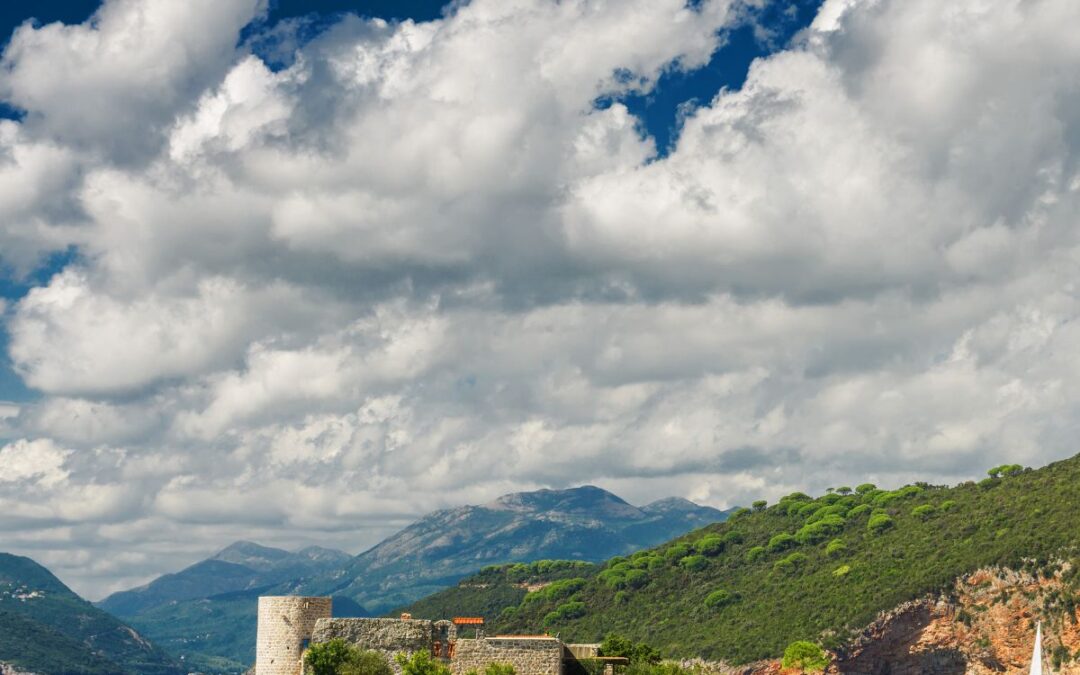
(48, 629)
(804, 569)
(495, 588)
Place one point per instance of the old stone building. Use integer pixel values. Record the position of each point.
(288, 625)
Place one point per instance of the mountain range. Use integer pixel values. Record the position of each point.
(206, 612)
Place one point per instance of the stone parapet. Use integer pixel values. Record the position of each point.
(528, 655)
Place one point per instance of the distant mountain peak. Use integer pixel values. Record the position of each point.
(586, 499)
(672, 505)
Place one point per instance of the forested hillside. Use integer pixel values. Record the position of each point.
(46, 628)
(807, 568)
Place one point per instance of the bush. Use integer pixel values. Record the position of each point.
(565, 612)
(879, 523)
(790, 563)
(781, 542)
(805, 656)
(733, 537)
(694, 563)
(421, 663)
(924, 512)
(637, 652)
(636, 578)
(865, 488)
(718, 598)
(677, 551)
(1005, 470)
(947, 505)
(760, 505)
(755, 553)
(338, 657)
(559, 589)
(710, 545)
(499, 669)
(836, 548)
(821, 530)
(739, 514)
(859, 510)
(886, 498)
(841, 571)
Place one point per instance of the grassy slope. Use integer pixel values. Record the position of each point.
(1033, 515)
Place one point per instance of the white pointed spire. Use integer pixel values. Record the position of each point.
(1036, 655)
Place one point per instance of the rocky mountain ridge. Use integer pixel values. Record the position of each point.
(584, 523)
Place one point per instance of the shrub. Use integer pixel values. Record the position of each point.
(841, 571)
(636, 578)
(1005, 470)
(565, 612)
(694, 563)
(733, 537)
(739, 514)
(560, 589)
(677, 551)
(821, 530)
(781, 542)
(910, 491)
(718, 598)
(710, 545)
(843, 490)
(879, 523)
(947, 505)
(805, 656)
(760, 505)
(611, 579)
(637, 652)
(755, 553)
(790, 563)
(924, 512)
(836, 548)
(421, 663)
(826, 511)
(886, 498)
(499, 669)
(865, 487)
(338, 657)
(622, 597)
(859, 510)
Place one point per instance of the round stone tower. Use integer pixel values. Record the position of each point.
(285, 626)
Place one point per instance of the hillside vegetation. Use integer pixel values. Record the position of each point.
(46, 628)
(810, 568)
(495, 588)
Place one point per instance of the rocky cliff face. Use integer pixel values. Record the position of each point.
(987, 625)
(984, 626)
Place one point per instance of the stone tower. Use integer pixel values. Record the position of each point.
(285, 626)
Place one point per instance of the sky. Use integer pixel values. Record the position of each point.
(301, 273)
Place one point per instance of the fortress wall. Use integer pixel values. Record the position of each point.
(285, 624)
(389, 637)
(529, 656)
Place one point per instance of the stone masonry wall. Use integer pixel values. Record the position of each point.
(389, 637)
(285, 624)
(529, 656)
